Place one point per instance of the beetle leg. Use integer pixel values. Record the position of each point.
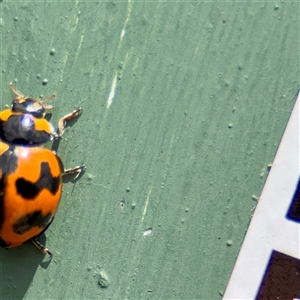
(17, 95)
(42, 248)
(77, 170)
(62, 122)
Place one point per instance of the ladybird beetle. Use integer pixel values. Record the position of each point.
(30, 176)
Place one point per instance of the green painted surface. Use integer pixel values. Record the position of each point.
(203, 93)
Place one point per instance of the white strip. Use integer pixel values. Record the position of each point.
(269, 229)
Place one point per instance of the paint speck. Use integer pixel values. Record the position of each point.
(276, 7)
(230, 125)
(147, 232)
(45, 81)
(52, 51)
(128, 190)
(119, 75)
(120, 65)
(90, 177)
(229, 243)
(122, 203)
(103, 280)
(262, 172)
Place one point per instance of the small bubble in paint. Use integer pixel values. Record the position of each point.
(103, 280)
(229, 243)
(45, 81)
(147, 232)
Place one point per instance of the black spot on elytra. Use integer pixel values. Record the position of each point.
(8, 164)
(3, 244)
(8, 161)
(30, 190)
(35, 219)
(1, 202)
(1, 128)
(45, 228)
(20, 129)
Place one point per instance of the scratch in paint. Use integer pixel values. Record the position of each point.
(146, 206)
(112, 91)
(78, 48)
(122, 33)
(64, 65)
(129, 9)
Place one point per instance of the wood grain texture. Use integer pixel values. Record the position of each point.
(203, 93)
